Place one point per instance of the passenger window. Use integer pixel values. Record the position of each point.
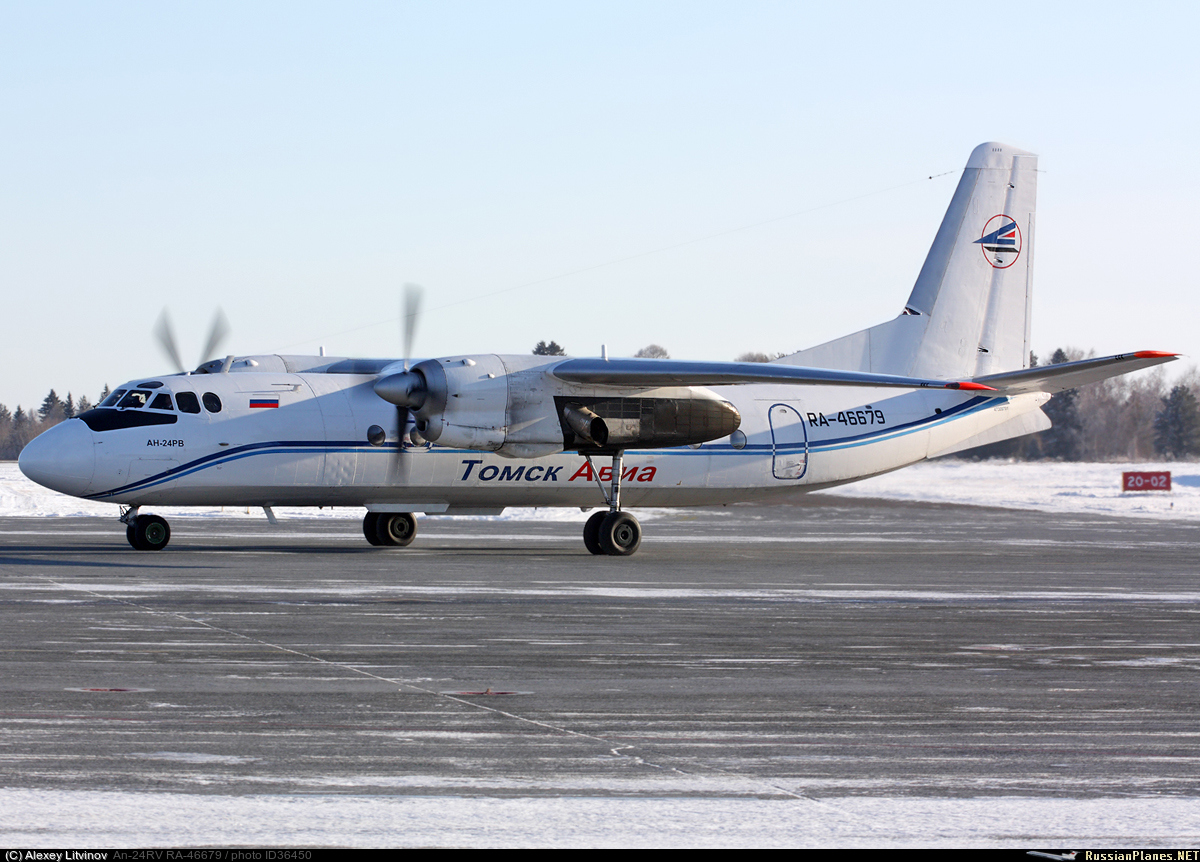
(136, 398)
(212, 403)
(111, 400)
(188, 402)
(162, 401)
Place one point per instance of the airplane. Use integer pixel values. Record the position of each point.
(474, 434)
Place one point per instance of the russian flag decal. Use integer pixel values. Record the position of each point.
(264, 401)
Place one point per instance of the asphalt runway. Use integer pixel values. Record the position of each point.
(818, 650)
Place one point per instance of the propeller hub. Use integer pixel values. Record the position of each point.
(404, 389)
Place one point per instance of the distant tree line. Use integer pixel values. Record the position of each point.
(1119, 419)
(20, 426)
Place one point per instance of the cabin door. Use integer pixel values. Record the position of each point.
(789, 442)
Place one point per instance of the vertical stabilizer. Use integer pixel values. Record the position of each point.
(968, 313)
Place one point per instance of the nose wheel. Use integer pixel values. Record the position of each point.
(613, 533)
(146, 532)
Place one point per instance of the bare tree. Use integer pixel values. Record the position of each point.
(652, 351)
(755, 356)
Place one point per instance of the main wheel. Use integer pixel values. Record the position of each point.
(620, 534)
(131, 537)
(150, 533)
(396, 528)
(591, 533)
(371, 528)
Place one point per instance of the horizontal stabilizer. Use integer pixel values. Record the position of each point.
(672, 372)
(1018, 426)
(1068, 375)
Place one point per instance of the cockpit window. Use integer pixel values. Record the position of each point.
(115, 420)
(135, 398)
(212, 403)
(188, 402)
(162, 401)
(111, 401)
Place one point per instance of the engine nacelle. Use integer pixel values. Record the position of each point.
(466, 404)
(514, 406)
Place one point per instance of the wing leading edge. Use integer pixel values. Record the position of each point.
(672, 372)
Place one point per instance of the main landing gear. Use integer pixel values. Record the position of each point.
(145, 532)
(613, 533)
(390, 529)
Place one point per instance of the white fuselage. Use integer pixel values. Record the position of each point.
(313, 450)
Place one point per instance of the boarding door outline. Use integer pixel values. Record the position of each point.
(789, 442)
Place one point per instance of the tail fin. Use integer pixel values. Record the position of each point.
(968, 314)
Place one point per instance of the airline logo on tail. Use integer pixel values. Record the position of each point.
(1001, 241)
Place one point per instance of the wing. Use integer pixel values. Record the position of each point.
(671, 372)
(1068, 375)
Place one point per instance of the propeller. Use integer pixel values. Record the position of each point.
(410, 310)
(165, 333)
(407, 389)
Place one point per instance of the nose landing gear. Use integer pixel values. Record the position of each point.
(145, 532)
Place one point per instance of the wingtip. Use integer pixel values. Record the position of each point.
(1155, 354)
(975, 387)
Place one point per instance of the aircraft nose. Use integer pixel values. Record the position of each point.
(62, 458)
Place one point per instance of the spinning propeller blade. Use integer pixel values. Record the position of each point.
(409, 311)
(216, 334)
(165, 333)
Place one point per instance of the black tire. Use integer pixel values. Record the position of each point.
(131, 537)
(591, 533)
(151, 533)
(396, 529)
(371, 528)
(620, 534)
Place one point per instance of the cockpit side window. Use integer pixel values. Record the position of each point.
(188, 402)
(212, 403)
(135, 398)
(162, 401)
(111, 400)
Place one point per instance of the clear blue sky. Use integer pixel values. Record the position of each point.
(569, 171)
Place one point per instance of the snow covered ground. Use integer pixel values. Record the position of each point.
(95, 819)
(1066, 488)
(1047, 487)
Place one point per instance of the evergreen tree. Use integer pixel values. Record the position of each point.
(69, 407)
(542, 349)
(1177, 425)
(83, 406)
(52, 408)
(6, 452)
(1062, 441)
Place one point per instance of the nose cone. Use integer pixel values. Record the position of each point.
(62, 458)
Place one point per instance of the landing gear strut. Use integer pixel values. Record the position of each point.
(390, 529)
(145, 532)
(613, 533)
